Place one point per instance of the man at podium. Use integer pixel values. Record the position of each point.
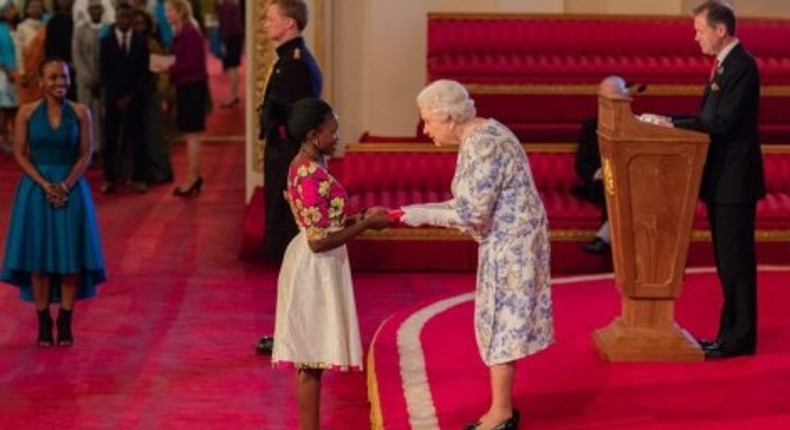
(733, 179)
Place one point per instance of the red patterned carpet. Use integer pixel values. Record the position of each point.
(428, 374)
(168, 343)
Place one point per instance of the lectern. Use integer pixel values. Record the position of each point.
(651, 180)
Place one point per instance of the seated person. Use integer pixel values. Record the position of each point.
(588, 165)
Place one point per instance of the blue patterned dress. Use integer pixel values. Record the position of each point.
(45, 239)
(496, 198)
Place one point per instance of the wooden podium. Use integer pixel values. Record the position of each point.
(651, 180)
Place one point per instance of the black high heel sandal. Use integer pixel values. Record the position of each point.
(45, 323)
(509, 424)
(65, 338)
(193, 189)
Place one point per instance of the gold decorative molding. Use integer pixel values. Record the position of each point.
(559, 235)
(426, 147)
(263, 59)
(532, 147)
(475, 16)
(591, 90)
(608, 176)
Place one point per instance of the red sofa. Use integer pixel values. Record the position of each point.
(393, 175)
(538, 73)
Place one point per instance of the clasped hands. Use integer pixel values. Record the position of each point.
(436, 214)
(56, 194)
(377, 218)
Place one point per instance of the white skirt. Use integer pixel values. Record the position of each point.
(316, 323)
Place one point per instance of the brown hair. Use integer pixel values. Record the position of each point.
(718, 12)
(295, 9)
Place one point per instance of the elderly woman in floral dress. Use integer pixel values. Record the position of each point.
(495, 200)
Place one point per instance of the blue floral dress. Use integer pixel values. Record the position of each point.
(45, 239)
(495, 196)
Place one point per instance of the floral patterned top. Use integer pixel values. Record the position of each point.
(318, 201)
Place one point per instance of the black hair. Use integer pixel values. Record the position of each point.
(124, 5)
(299, 119)
(718, 12)
(47, 61)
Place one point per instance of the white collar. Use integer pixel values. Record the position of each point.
(120, 35)
(725, 51)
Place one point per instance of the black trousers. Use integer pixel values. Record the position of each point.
(732, 230)
(130, 125)
(279, 227)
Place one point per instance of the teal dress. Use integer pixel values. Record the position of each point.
(45, 239)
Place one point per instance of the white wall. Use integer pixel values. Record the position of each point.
(379, 57)
(624, 7)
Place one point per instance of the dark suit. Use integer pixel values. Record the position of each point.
(124, 74)
(295, 76)
(732, 183)
(588, 161)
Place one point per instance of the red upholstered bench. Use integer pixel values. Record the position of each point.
(538, 73)
(393, 175)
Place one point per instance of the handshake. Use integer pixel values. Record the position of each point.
(436, 214)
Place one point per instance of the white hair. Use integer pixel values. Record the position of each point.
(449, 99)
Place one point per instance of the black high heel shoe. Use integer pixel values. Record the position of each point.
(193, 189)
(65, 338)
(509, 424)
(45, 324)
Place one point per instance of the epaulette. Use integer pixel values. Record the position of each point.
(297, 54)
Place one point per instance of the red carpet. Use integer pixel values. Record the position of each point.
(168, 343)
(569, 386)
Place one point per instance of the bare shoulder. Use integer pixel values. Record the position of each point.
(27, 109)
(80, 109)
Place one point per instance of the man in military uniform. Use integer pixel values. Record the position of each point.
(295, 76)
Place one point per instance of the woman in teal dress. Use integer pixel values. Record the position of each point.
(53, 251)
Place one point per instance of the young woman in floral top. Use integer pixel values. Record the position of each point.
(316, 323)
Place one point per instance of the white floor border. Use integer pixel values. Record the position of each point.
(417, 392)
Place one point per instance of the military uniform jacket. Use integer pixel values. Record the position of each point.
(295, 76)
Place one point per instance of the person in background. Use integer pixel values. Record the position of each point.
(30, 33)
(190, 76)
(295, 76)
(158, 167)
(9, 100)
(163, 28)
(125, 77)
(81, 13)
(53, 250)
(316, 323)
(57, 41)
(588, 165)
(231, 31)
(494, 199)
(733, 180)
(85, 52)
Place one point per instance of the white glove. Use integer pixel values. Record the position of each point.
(417, 215)
(432, 205)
